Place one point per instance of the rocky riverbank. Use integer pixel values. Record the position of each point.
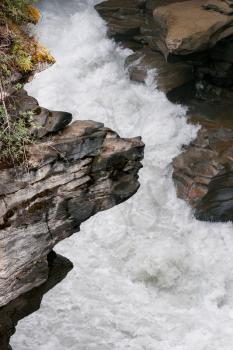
(188, 45)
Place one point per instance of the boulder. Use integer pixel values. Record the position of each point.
(44, 122)
(203, 173)
(167, 76)
(47, 122)
(124, 17)
(185, 27)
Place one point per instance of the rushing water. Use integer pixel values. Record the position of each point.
(147, 275)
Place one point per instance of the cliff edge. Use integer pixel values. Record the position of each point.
(54, 175)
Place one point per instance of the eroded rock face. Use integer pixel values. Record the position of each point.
(167, 76)
(124, 17)
(203, 173)
(70, 175)
(131, 23)
(187, 42)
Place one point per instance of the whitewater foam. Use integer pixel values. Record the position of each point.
(147, 275)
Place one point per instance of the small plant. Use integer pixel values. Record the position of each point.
(21, 10)
(20, 55)
(14, 135)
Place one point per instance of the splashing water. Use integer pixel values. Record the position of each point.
(147, 275)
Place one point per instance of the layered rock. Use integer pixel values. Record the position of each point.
(203, 174)
(70, 175)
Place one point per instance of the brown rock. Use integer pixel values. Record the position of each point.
(152, 4)
(167, 75)
(186, 27)
(203, 173)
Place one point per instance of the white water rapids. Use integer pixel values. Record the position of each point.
(147, 275)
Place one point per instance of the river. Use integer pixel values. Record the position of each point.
(147, 275)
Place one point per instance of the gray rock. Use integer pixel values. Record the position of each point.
(46, 122)
(72, 175)
(24, 305)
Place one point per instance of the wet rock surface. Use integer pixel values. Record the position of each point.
(70, 175)
(167, 76)
(187, 45)
(203, 173)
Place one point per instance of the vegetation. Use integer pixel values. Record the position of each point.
(20, 10)
(20, 55)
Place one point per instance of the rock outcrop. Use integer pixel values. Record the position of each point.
(187, 44)
(203, 174)
(26, 304)
(70, 175)
(54, 175)
(167, 76)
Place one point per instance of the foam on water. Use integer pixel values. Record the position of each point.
(147, 275)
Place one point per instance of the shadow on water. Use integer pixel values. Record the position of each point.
(30, 302)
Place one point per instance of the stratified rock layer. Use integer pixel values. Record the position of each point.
(203, 173)
(70, 175)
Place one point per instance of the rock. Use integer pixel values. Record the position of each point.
(167, 76)
(179, 35)
(188, 45)
(70, 176)
(152, 4)
(124, 17)
(26, 304)
(116, 5)
(218, 6)
(203, 173)
(223, 51)
(46, 122)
